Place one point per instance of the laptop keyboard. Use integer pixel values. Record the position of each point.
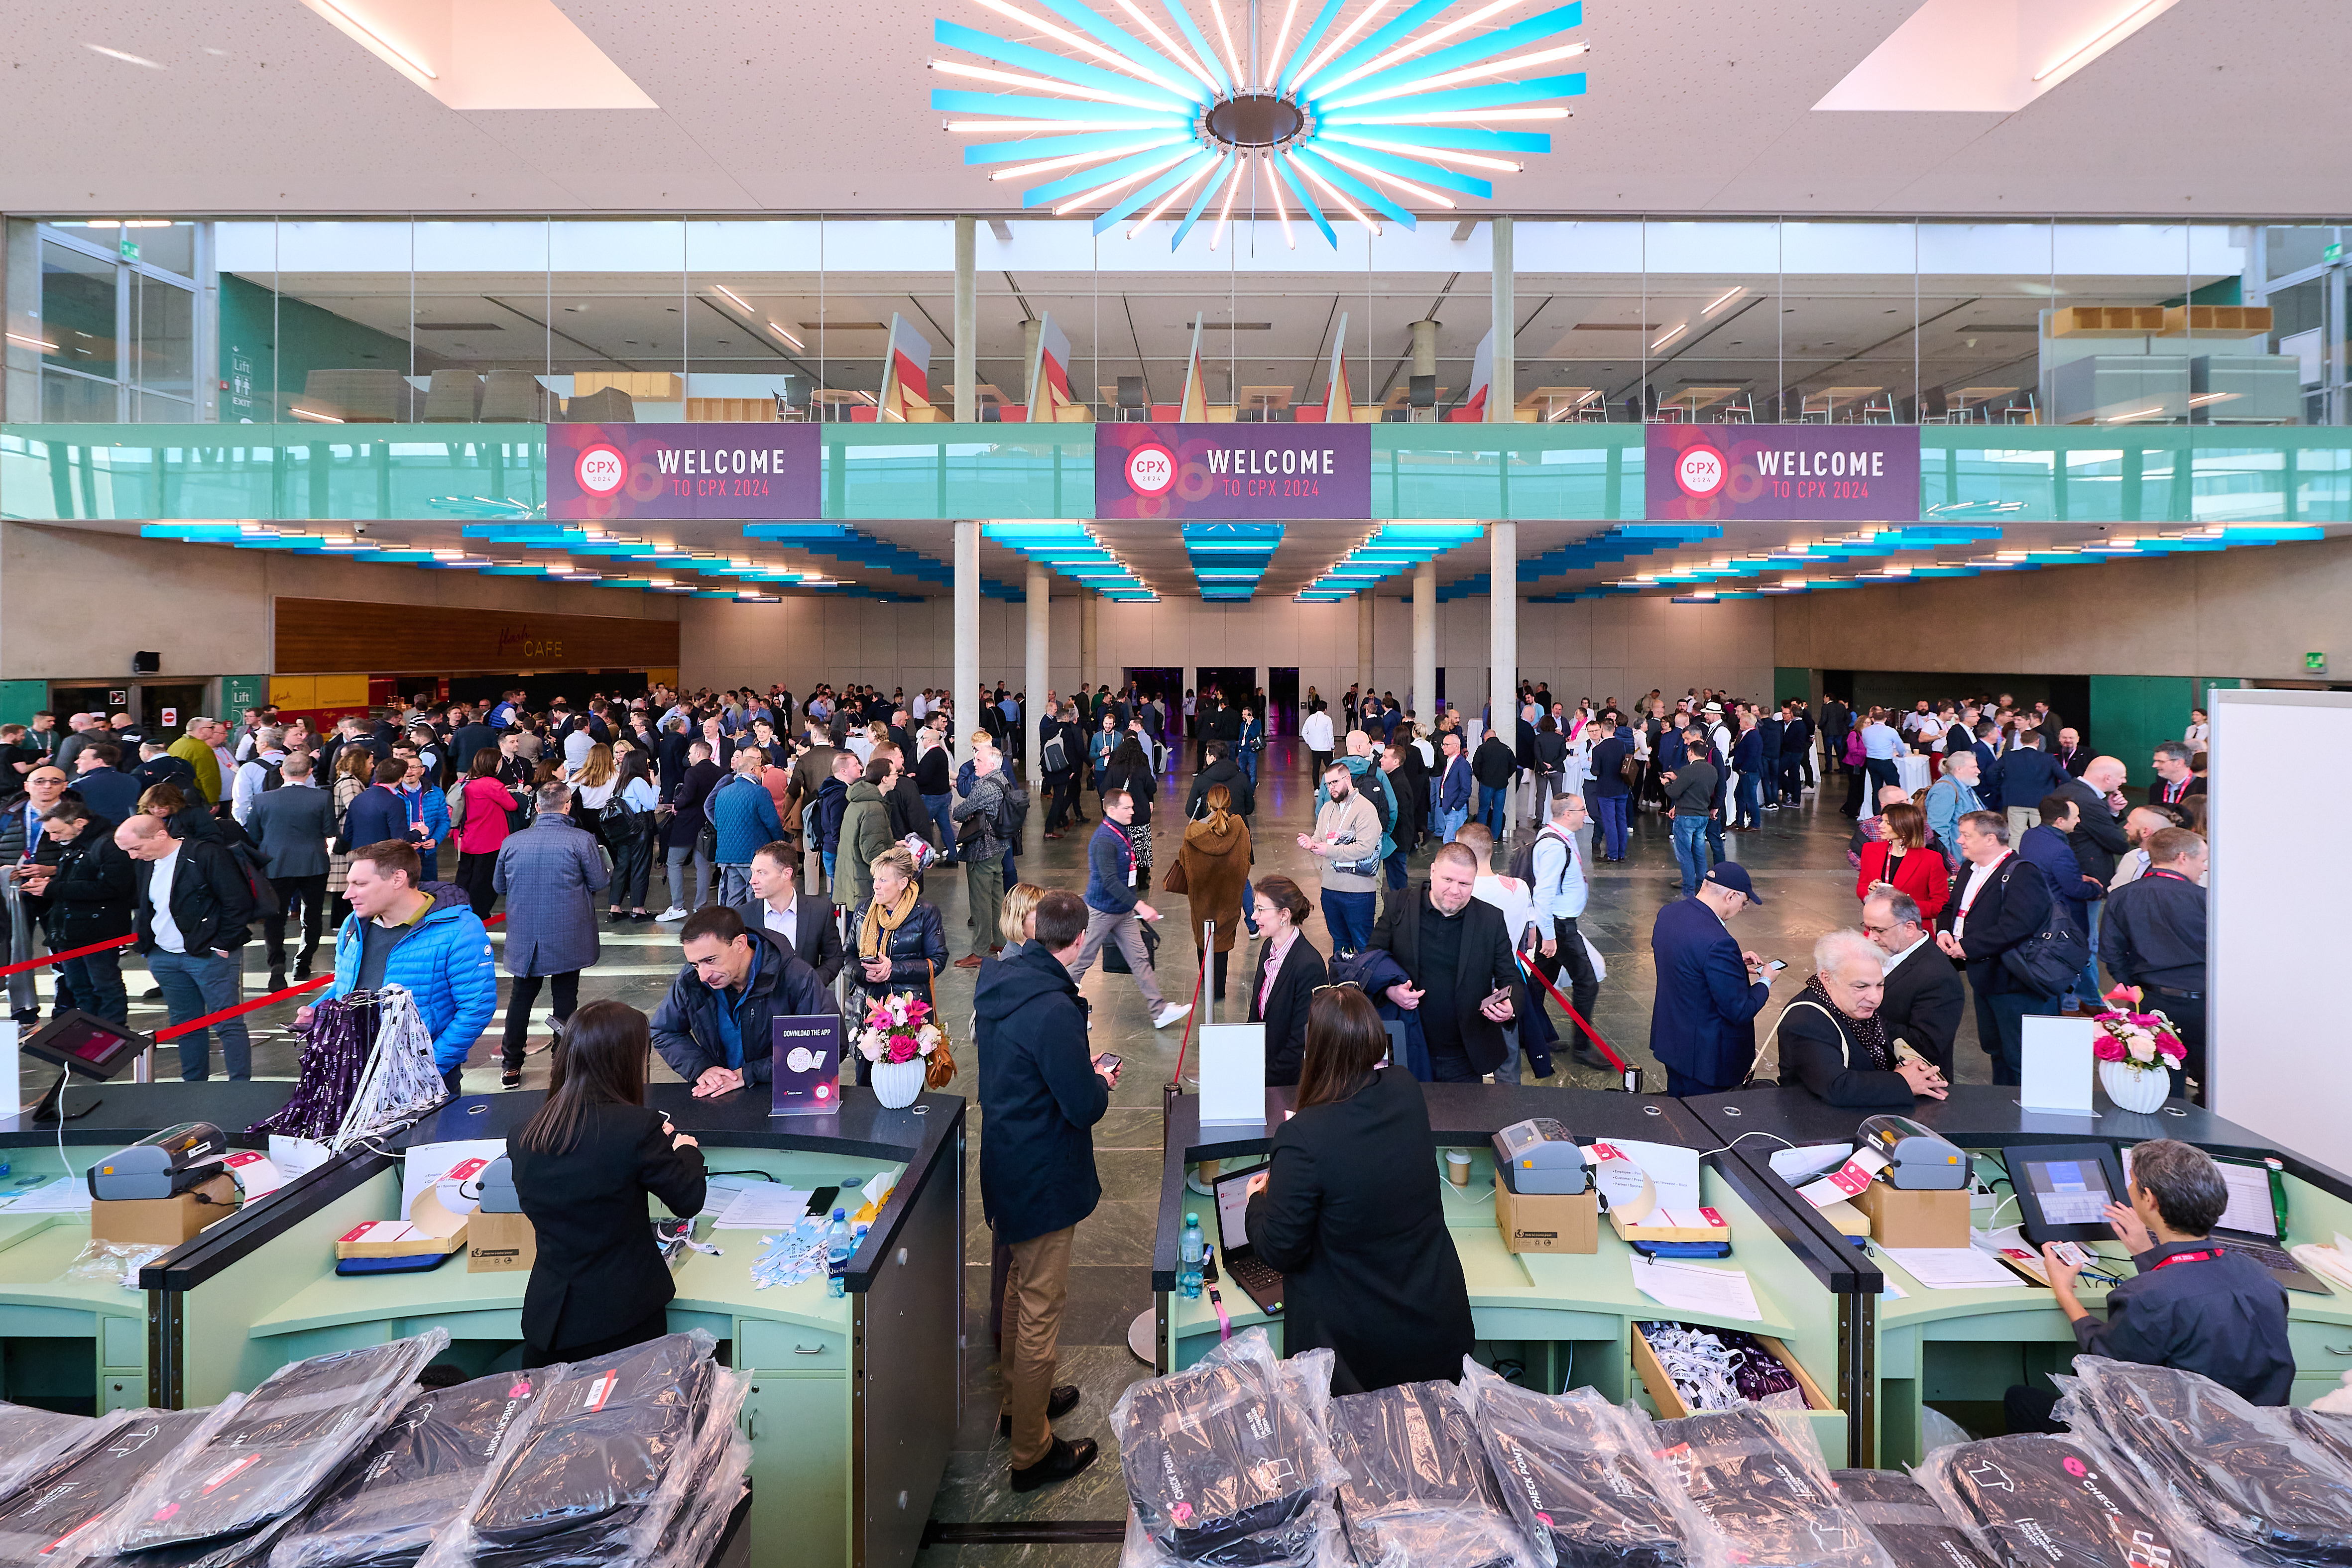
(1261, 1278)
(2268, 1256)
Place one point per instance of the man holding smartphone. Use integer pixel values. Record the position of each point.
(1042, 1090)
(1457, 952)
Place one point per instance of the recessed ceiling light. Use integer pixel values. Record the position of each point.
(411, 61)
(127, 59)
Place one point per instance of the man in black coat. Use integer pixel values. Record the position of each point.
(804, 922)
(1040, 1092)
(1454, 949)
(2002, 901)
(88, 890)
(1834, 1042)
(467, 739)
(1924, 995)
(2097, 840)
(192, 952)
(1223, 770)
(715, 1029)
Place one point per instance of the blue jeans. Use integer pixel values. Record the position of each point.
(96, 981)
(1395, 863)
(940, 807)
(1612, 823)
(1248, 760)
(1690, 851)
(1771, 777)
(2086, 985)
(1448, 823)
(1715, 835)
(1348, 916)
(1748, 786)
(1490, 811)
(193, 988)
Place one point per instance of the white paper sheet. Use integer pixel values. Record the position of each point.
(1643, 1176)
(1952, 1268)
(1808, 1160)
(1715, 1293)
(67, 1195)
(764, 1206)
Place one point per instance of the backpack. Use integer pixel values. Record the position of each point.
(2047, 962)
(1523, 859)
(1013, 815)
(258, 885)
(1378, 796)
(1053, 755)
(454, 799)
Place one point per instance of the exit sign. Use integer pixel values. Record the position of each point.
(2333, 253)
(2315, 663)
(127, 249)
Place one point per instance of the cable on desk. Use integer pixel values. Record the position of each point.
(1760, 1133)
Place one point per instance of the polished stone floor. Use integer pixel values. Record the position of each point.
(1798, 860)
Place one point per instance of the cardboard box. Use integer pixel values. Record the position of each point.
(1548, 1222)
(396, 1239)
(165, 1221)
(1672, 1225)
(1669, 1399)
(1899, 1219)
(500, 1243)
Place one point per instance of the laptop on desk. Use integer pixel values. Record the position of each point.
(1239, 1261)
(2253, 1226)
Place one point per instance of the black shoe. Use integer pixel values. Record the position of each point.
(1065, 1461)
(277, 980)
(510, 1078)
(1587, 1054)
(302, 967)
(1062, 1401)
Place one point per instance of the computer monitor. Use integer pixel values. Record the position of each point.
(2064, 1190)
(1233, 1209)
(85, 1044)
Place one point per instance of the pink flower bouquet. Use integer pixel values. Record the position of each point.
(897, 1029)
(2142, 1041)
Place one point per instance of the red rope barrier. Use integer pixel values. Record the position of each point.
(1590, 1033)
(70, 953)
(178, 1030)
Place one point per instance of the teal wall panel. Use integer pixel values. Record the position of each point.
(2129, 714)
(19, 700)
(264, 334)
(1791, 686)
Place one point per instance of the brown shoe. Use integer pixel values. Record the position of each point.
(969, 961)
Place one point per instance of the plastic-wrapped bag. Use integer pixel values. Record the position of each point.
(258, 1469)
(1764, 1492)
(1905, 1521)
(113, 1263)
(2237, 1469)
(1418, 1492)
(1225, 1461)
(2332, 1430)
(31, 1440)
(598, 1468)
(1575, 1474)
(1327, 1544)
(695, 1532)
(2050, 1503)
(382, 1510)
(45, 1521)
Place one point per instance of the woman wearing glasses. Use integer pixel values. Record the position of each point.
(1349, 1209)
(1289, 972)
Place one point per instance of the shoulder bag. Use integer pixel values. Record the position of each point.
(2048, 962)
(941, 1070)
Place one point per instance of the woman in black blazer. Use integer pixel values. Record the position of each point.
(581, 1169)
(1349, 1209)
(1281, 909)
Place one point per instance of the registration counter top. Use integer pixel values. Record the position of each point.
(854, 1400)
(83, 1344)
(1567, 1318)
(1960, 1348)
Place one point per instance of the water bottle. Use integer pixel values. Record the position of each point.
(839, 1247)
(1188, 1278)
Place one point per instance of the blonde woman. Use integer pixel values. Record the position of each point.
(1015, 926)
(593, 783)
(900, 943)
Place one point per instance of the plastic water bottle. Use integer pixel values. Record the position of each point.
(839, 1247)
(1188, 1278)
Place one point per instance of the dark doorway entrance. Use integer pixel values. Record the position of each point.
(1282, 702)
(1166, 684)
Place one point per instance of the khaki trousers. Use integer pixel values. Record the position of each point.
(1035, 1287)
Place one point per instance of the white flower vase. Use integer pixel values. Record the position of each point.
(896, 1084)
(2141, 1090)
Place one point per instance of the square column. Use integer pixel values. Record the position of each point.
(967, 635)
(1033, 699)
(1423, 700)
(1503, 638)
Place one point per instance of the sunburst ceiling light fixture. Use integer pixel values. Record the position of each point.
(1361, 116)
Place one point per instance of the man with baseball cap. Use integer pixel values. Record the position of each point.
(1703, 1022)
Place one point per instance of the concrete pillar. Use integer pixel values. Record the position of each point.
(1423, 700)
(1424, 348)
(1502, 404)
(1363, 647)
(1089, 638)
(1031, 331)
(1503, 632)
(1034, 677)
(967, 636)
(966, 346)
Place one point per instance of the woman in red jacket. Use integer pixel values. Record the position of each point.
(1902, 858)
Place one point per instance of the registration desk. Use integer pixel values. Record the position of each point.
(1963, 1347)
(1567, 1318)
(84, 1345)
(853, 1403)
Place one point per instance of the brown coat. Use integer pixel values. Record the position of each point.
(1217, 866)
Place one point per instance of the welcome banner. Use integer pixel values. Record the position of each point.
(1234, 472)
(1782, 472)
(684, 473)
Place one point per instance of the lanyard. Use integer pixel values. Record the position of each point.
(2154, 872)
(1977, 887)
(2184, 1257)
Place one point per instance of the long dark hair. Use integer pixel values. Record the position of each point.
(1345, 1040)
(1130, 754)
(599, 1060)
(634, 766)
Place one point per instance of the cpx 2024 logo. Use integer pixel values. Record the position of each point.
(601, 470)
(1151, 469)
(1700, 471)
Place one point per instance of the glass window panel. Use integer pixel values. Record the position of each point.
(617, 323)
(753, 284)
(78, 311)
(478, 312)
(1712, 311)
(163, 326)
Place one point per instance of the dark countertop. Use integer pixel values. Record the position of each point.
(123, 1112)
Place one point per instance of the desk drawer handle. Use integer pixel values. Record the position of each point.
(2338, 1349)
(808, 1350)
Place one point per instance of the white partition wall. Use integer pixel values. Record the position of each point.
(2277, 930)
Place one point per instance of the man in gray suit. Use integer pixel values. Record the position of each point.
(291, 826)
(550, 873)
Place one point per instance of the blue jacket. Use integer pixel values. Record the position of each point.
(447, 964)
(1748, 752)
(437, 810)
(1374, 970)
(744, 814)
(1108, 858)
(2026, 775)
(1988, 776)
(1454, 789)
(2046, 848)
(1773, 730)
(1948, 802)
(1703, 1021)
(377, 815)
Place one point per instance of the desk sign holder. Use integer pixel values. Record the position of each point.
(2057, 1071)
(1232, 1075)
(806, 1065)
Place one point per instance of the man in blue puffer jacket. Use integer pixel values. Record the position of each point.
(403, 930)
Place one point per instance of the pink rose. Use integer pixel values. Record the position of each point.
(2172, 1048)
(2107, 1047)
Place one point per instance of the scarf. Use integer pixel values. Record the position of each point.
(881, 919)
(1868, 1033)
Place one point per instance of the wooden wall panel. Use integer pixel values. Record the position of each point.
(322, 635)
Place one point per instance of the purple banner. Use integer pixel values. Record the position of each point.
(1234, 472)
(684, 473)
(1782, 472)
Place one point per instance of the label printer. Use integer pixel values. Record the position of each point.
(1916, 1159)
(162, 1165)
(1539, 1156)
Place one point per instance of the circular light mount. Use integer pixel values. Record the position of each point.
(1253, 119)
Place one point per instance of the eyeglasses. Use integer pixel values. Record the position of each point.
(1336, 986)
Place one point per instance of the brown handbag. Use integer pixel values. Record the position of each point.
(1176, 881)
(941, 1071)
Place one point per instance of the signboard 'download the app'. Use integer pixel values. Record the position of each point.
(684, 473)
(1234, 472)
(1782, 472)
